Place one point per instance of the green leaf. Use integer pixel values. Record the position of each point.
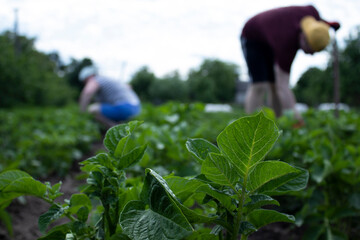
(54, 213)
(5, 219)
(224, 198)
(8, 177)
(262, 217)
(79, 200)
(288, 183)
(56, 188)
(114, 135)
(354, 200)
(57, 233)
(79, 228)
(183, 188)
(335, 213)
(128, 195)
(320, 172)
(246, 228)
(219, 170)
(119, 236)
(299, 182)
(83, 214)
(162, 220)
(141, 224)
(101, 159)
(95, 178)
(267, 171)
(153, 184)
(194, 217)
(158, 182)
(27, 186)
(269, 113)
(15, 183)
(125, 145)
(313, 232)
(258, 201)
(186, 188)
(5, 198)
(202, 234)
(200, 148)
(246, 141)
(132, 157)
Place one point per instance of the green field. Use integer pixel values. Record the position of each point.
(173, 167)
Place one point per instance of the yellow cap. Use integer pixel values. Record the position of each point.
(316, 33)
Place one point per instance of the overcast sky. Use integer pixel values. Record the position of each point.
(166, 35)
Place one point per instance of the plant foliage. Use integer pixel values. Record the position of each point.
(329, 148)
(44, 140)
(223, 202)
(29, 77)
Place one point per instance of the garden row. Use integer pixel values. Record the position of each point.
(328, 148)
(44, 140)
(329, 207)
(222, 201)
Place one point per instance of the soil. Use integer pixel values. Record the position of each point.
(25, 214)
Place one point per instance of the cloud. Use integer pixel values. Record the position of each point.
(166, 35)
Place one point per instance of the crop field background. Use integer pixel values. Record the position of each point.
(50, 145)
(177, 170)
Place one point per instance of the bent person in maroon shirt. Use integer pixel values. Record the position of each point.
(270, 41)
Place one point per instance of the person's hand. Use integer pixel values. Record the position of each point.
(298, 124)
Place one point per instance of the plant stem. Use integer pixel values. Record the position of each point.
(50, 201)
(109, 221)
(239, 212)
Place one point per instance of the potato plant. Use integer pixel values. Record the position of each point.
(225, 201)
(328, 148)
(28, 134)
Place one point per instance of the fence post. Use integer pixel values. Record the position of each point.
(336, 77)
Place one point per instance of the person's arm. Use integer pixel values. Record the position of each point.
(87, 93)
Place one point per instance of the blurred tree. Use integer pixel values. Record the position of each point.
(59, 64)
(29, 77)
(315, 86)
(169, 88)
(350, 70)
(213, 81)
(72, 71)
(141, 82)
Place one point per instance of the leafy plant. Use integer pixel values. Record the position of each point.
(223, 202)
(44, 140)
(167, 128)
(329, 149)
(238, 167)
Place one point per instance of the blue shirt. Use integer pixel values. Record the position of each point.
(115, 92)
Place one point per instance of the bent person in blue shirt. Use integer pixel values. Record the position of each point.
(114, 101)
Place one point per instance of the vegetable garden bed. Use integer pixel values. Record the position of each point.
(328, 208)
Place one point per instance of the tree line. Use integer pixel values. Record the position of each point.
(316, 85)
(29, 77)
(32, 78)
(214, 81)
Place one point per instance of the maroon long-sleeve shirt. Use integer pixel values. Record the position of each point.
(280, 29)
